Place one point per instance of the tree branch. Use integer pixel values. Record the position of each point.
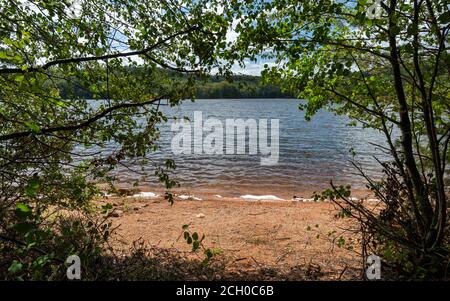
(97, 58)
(82, 124)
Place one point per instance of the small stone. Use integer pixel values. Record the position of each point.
(308, 200)
(127, 192)
(116, 213)
(200, 215)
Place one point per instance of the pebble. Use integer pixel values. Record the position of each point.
(373, 200)
(308, 200)
(261, 197)
(116, 213)
(144, 194)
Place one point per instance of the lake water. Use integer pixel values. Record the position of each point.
(311, 153)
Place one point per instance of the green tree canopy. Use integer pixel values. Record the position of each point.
(129, 56)
(386, 64)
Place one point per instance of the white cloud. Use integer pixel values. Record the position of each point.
(232, 35)
(250, 68)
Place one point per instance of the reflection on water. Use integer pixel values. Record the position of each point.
(311, 152)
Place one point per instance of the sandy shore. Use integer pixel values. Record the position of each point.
(282, 235)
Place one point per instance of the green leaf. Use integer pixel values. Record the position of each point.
(32, 187)
(19, 78)
(3, 55)
(23, 211)
(23, 207)
(107, 207)
(195, 246)
(32, 126)
(24, 228)
(209, 253)
(15, 267)
(445, 17)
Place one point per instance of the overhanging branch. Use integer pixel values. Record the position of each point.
(81, 124)
(97, 58)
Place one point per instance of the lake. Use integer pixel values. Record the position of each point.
(311, 153)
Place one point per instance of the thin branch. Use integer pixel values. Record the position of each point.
(96, 58)
(81, 124)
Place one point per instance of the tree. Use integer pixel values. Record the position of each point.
(49, 145)
(388, 71)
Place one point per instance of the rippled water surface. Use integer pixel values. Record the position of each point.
(311, 153)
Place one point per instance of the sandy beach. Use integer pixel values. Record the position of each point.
(289, 238)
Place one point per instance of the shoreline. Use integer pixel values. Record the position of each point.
(280, 235)
(200, 195)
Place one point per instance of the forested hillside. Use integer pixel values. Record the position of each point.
(238, 86)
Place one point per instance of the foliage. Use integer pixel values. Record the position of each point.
(44, 241)
(210, 87)
(238, 87)
(197, 244)
(128, 57)
(390, 73)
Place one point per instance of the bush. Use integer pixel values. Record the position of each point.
(390, 230)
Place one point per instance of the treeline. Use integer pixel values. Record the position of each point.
(238, 86)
